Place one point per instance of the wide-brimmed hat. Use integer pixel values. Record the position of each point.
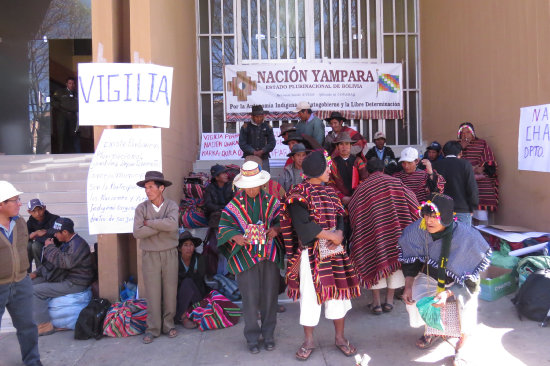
(7, 191)
(342, 137)
(302, 105)
(435, 146)
(258, 110)
(409, 154)
(440, 204)
(336, 115)
(217, 169)
(153, 175)
(293, 136)
(186, 235)
(314, 164)
(286, 127)
(251, 176)
(379, 135)
(297, 148)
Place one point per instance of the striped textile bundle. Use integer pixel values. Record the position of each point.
(126, 319)
(478, 153)
(380, 209)
(193, 190)
(192, 213)
(215, 311)
(333, 277)
(418, 182)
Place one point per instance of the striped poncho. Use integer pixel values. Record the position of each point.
(421, 184)
(478, 153)
(240, 212)
(381, 207)
(333, 277)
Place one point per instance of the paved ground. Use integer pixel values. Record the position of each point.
(501, 339)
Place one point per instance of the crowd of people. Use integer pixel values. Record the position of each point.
(340, 220)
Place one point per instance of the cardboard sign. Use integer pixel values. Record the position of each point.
(121, 159)
(124, 94)
(534, 138)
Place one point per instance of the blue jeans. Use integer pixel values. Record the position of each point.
(464, 217)
(17, 297)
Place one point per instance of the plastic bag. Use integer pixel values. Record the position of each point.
(429, 313)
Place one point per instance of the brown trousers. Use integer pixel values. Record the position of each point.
(160, 274)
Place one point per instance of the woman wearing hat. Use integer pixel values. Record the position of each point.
(191, 272)
(320, 271)
(336, 121)
(249, 226)
(442, 258)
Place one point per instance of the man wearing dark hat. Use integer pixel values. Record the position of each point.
(348, 170)
(336, 121)
(292, 173)
(433, 152)
(156, 227)
(319, 270)
(285, 129)
(65, 269)
(256, 137)
(309, 123)
(442, 259)
(40, 221)
(217, 194)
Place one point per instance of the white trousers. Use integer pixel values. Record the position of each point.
(310, 310)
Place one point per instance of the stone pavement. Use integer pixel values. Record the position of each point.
(500, 339)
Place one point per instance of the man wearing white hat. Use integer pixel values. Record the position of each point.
(249, 226)
(310, 124)
(15, 286)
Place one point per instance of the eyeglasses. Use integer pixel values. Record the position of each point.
(16, 200)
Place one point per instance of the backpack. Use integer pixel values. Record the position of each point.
(90, 320)
(533, 297)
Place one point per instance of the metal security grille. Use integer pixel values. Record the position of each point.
(258, 31)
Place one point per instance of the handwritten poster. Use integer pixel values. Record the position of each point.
(121, 159)
(534, 138)
(124, 94)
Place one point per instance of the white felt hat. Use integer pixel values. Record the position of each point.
(251, 176)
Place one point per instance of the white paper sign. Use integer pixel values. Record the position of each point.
(124, 94)
(357, 90)
(534, 138)
(120, 160)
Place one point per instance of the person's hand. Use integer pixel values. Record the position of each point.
(144, 222)
(407, 295)
(336, 237)
(441, 299)
(32, 275)
(258, 153)
(346, 199)
(41, 232)
(272, 232)
(428, 164)
(479, 169)
(240, 240)
(48, 241)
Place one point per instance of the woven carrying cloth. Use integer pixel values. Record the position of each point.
(333, 277)
(126, 319)
(215, 311)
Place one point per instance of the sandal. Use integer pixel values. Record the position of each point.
(347, 349)
(387, 308)
(304, 352)
(148, 338)
(376, 310)
(426, 342)
(172, 333)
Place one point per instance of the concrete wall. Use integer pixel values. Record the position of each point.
(481, 62)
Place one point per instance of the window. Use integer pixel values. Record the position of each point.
(256, 31)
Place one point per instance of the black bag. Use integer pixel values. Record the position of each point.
(533, 297)
(90, 320)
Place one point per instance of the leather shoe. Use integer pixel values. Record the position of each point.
(254, 349)
(269, 346)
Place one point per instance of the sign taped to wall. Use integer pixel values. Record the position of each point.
(124, 94)
(534, 138)
(357, 90)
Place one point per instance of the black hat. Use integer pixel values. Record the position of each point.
(60, 224)
(436, 146)
(186, 235)
(336, 115)
(216, 170)
(34, 203)
(286, 127)
(258, 110)
(343, 137)
(293, 136)
(299, 147)
(154, 176)
(444, 205)
(314, 164)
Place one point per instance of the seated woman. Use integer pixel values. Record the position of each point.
(442, 258)
(191, 286)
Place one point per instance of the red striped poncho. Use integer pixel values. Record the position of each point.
(333, 277)
(478, 153)
(381, 207)
(420, 183)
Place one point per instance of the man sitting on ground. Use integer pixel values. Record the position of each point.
(66, 269)
(40, 221)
